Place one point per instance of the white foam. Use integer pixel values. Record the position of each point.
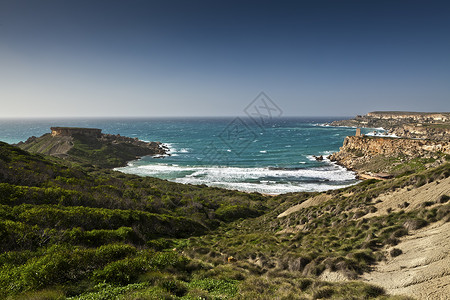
(263, 151)
(172, 151)
(327, 152)
(169, 150)
(326, 177)
(311, 157)
(268, 187)
(334, 126)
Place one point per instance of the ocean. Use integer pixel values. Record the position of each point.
(234, 153)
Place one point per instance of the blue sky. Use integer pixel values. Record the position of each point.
(211, 58)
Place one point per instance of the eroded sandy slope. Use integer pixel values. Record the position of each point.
(422, 271)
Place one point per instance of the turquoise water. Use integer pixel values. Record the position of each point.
(231, 153)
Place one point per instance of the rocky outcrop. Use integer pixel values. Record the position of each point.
(90, 146)
(360, 150)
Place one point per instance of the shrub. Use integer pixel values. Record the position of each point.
(304, 283)
(99, 237)
(395, 252)
(230, 213)
(443, 213)
(175, 287)
(121, 272)
(159, 244)
(216, 287)
(427, 203)
(443, 199)
(413, 224)
(372, 291)
(323, 293)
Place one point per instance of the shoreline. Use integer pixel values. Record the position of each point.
(324, 174)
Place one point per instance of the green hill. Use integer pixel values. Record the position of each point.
(80, 146)
(73, 232)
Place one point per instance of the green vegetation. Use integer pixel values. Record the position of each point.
(108, 151)
(87, 150)
(69, 231)
(397, 165)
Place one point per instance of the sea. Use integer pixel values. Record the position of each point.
(274, 157)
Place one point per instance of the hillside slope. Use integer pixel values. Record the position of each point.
(423, 268)
(77, 232)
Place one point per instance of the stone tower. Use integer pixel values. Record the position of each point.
(358, 132)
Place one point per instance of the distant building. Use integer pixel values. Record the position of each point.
(70, 131)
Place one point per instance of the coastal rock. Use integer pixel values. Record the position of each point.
(360, 150)
(91, 146)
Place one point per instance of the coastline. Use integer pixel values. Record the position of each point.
(321, 233)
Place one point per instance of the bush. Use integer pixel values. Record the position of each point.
(443, 213)
(395, 252)
(230, 213)
(98, 237)
(372, 291)
(127, 270)
(175, 287)
(443, 199)
(413, 224)
(121, 272)
(323, 293)
(216, 287)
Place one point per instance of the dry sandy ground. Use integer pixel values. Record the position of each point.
(415, 197)
(422, 271)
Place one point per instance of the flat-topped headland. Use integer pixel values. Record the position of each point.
(423, 125)
(91, 146)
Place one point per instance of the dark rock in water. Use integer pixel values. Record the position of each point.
(318, 158)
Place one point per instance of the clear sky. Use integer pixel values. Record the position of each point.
(211, 58)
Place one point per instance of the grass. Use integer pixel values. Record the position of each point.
(73, 232)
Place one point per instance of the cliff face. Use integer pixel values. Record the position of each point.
(71, 131)
(417, 116)
(359, 151)
(90, 146)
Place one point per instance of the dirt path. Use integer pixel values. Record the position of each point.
(422, 271)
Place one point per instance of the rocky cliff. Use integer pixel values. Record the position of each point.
(90, 146)
(416, 116)
(381, 154)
